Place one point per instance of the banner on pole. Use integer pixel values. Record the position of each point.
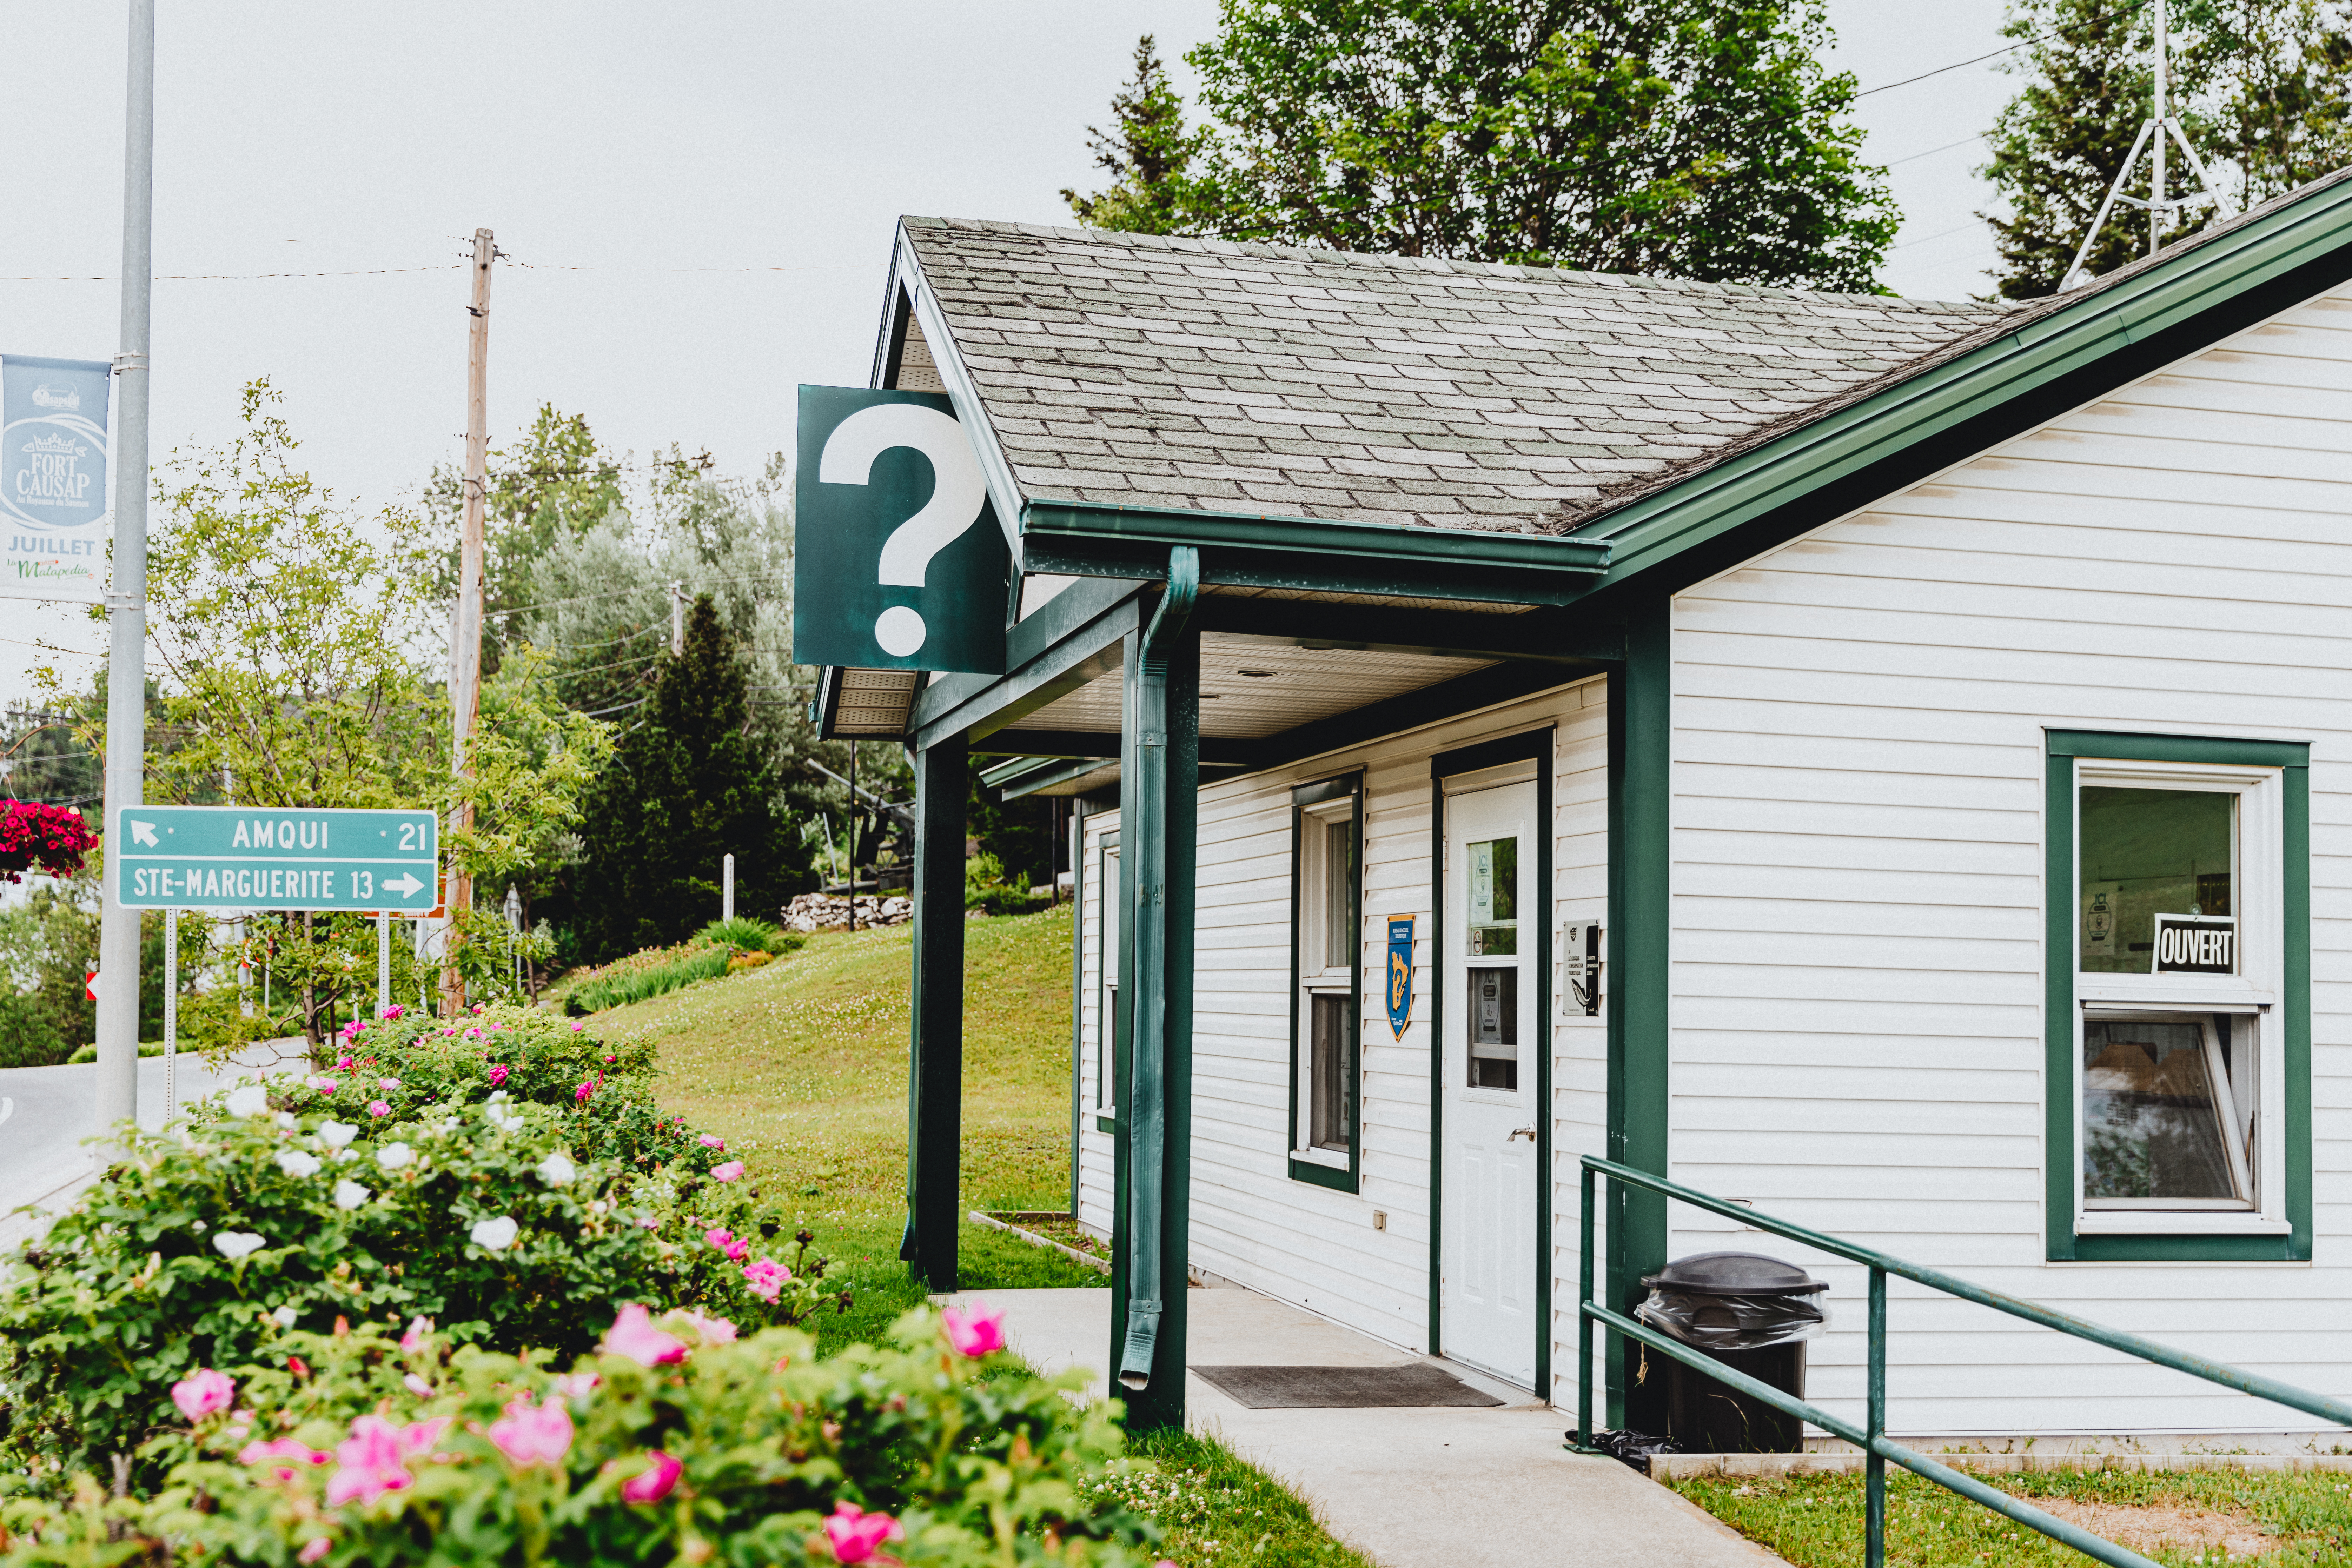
(898, 562)
(57, 495)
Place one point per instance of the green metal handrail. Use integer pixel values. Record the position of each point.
(1871, 1437)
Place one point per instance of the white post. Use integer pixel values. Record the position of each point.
(126, 662)
(2156, 208)
(727, 888)
(382, 961)
(170, 1014)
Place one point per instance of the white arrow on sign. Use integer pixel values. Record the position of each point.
(142, 832)
(404, 884)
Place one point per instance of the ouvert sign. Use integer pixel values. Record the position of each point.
(247, 857)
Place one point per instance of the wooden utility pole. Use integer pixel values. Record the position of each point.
(466, 624)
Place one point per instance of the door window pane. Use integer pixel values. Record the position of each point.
(2157, 1118)
(1494, 1031)
(1339, 893)
(2157, 889)
(1493, 887)
(1331, 1111)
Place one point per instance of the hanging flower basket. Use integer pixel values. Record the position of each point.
(33, 837)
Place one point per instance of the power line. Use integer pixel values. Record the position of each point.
(1931, 151)
(235, 276)
(1957, 64)
(1923, 239)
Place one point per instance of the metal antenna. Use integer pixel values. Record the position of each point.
(2153, 131)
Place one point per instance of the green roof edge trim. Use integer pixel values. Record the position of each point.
(1048, 518)
(1916, 410)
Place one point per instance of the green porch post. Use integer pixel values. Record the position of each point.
(935, 1054)
(1159, 803)
(1641, 757)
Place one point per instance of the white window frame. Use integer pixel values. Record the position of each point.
(1318, 977)
(2251, 996)
(1107, 932)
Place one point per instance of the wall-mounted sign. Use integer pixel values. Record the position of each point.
(898, 563)
(2195, 945)
(1399, 976)
(248, 857)
(57, 500)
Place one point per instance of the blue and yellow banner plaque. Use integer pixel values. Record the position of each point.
(247, 857)
(1399, 987)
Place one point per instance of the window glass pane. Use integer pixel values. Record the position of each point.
(2157, 863)
(2152, 1123)
(1494, 888)
(1339, 893)
(1494, 1031)
(1331, 1111)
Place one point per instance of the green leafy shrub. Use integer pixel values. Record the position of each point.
(619, 991)
(676, 1444)
(748, 934)
(987, 888)
(485, 1218)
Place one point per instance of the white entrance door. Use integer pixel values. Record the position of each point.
(1487, 1301)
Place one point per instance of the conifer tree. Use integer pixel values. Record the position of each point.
(1149, 154)
(2259, 85)
(687, 787)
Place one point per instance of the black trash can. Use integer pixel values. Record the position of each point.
(1754, 1314)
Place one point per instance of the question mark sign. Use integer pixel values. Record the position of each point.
(958, 492)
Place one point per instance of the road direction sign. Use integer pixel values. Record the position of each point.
(244, 857)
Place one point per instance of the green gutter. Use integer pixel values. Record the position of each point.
(2041, 351)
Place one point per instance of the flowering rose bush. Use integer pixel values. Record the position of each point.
(484, 1217)
(677, 1442)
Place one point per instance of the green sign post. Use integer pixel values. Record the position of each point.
(898, 560)
(246, 857)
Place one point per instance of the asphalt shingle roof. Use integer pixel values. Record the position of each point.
(1134, 369)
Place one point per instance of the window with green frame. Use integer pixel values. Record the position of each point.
(1326, 897)
(2177, 1033)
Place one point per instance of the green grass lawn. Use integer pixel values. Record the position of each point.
(800, 1066)
(2263, 1521)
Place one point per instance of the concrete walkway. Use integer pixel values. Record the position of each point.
(1425, 1487)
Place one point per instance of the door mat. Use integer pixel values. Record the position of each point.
(1342, 1387)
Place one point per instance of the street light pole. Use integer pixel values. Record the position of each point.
(126, 666)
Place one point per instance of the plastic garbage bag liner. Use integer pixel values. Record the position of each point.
(1732, 1323)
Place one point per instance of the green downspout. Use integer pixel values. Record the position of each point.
(1146, 1114)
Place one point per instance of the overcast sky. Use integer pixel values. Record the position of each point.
(698, 200)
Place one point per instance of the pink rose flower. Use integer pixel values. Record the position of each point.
(974, 1333)
(418, 1386)
(318, 1548)
(766, 1278)
(322, 1084)
(203, 1393)
(712, 1141)
(633, 1335)
(577, 1384)
(578, 1027)
(387, 1083)
(855, 1535)
(653, 1484)
(498, 1077)
(725, 1241)
(586, 1090)
(342, 1064)
(393, 1012)
(414, 1339)
(534, 1436)
(712, 1331)
(731, 1171)
(379, 1108)
(370, 1463)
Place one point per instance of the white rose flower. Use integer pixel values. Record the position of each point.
(335, 1134)
(295, 1163)
(248, 1099)
(392, 1157)
(495, 1235)
(235, 1244)
(557, 1171)
(350, 1194)
(287, 1317)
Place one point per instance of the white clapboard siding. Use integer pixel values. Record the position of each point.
(1857, 880)
(1251, 1222)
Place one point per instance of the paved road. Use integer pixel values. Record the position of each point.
(46, 1112)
